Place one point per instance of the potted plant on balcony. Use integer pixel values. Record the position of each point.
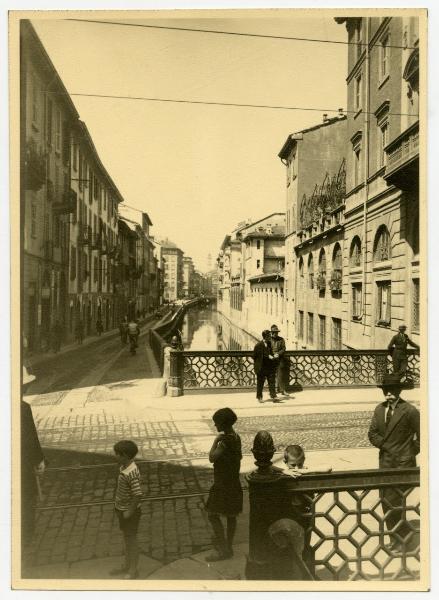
(321, 282)
(335, 283)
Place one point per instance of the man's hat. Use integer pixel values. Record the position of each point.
(275, 328)
(402, 326)
(391, 380)
(27, 377)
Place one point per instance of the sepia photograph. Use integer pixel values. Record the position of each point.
(219, 307)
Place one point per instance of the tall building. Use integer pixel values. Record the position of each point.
(93, 238)
(188, 277)
(381, 261)
(315, 166)
(47, 198)
(173, 273)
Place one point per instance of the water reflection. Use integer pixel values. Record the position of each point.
(207, 329)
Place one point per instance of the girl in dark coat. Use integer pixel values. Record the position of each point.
(225, 496)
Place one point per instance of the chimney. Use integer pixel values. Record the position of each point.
(325, 117)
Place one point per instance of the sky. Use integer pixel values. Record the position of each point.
(198, 170)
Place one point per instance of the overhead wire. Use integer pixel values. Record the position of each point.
(234, 33)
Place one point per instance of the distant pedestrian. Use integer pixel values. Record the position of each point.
(395, 430)
(56, 336)
(225, 495)
(280, 360)
(398, 350)
(79, 331)
(133, 332)
(32, 465)
(99, 327)
(265, 367)
(123, 330)
(127, 506)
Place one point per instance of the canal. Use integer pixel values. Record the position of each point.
(204, 328)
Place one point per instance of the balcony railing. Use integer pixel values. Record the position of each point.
(403, 159)
(305, 368)
(68, 204)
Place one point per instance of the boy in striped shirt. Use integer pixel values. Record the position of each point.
(126, 504)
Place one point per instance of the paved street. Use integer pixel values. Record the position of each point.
(87, 399)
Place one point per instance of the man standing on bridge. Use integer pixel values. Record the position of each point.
(398, 350)
(395, 430)
(265, 367)
(280, 360)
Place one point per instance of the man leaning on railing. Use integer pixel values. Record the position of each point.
(394, 429)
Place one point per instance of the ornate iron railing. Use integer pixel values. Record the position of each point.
(352, 530)
(305, 368)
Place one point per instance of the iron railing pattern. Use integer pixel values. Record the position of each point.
(306, 368)
(347, 523)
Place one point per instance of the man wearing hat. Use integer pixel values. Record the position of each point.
(265, 369)
(394, 429)
(32, 464)
(278, 346)
(398, 350)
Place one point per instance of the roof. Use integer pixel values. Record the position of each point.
(169, 245)
(131, 224)
(275, 276)
(286, 148)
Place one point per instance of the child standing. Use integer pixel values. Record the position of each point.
(126, 504)
(225, 496)
(301, 508)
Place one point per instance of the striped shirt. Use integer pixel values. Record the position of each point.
(128, 487)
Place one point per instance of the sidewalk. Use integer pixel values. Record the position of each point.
(35, 359)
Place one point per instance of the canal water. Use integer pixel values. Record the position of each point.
(204, 328)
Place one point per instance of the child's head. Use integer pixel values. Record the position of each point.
(294, 456)
(224, 418)
(125, 450)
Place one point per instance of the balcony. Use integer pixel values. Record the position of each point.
(68, 203)
(402, 169)
(96, 242)
(34, 167)
(84, 235)
(104, 245)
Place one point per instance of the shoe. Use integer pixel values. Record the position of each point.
(260, 400)
(119, 571)
(394, 548)
(132, 575)
(276, 399)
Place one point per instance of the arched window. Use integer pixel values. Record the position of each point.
(321, 278)
(310, 272)
(337, 258)
(355, 253)
(336, 280)
(381, 249)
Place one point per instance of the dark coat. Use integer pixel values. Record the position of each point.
(279, 347)
(261, 357)
(398, 344)
(400, 442)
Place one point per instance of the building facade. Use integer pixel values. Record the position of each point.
(315, 166)
(381, 289)
(173, 271)
(188, 277)
(47, 198)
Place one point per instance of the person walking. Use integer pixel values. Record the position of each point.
(123, 330)
(398, 350)
(264, 366)
(225, 495)
(79, 331)
(99, 327)
(280, 360)
(32, 465)
(133, 332)
(395, 430)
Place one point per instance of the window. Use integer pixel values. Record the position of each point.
(415, 234)
(72, 263)
(357, 291)
(358, 39)
(34, 100)
(355, 254)
(321, 277)
(58, 131)
(384, 298)
(80, 175)
(310, 272)
(258, 244)
(95, 269)
(336, 334)
(416, 306)
(301, 326)
(301, 277)
(310, 330)
(382, 250)
(357, 166)
(75, 156)
(358, 91)
(258, 264)
(33, 220)
(49, 121)
(322, 332)
(384, 66)
(383, 140)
